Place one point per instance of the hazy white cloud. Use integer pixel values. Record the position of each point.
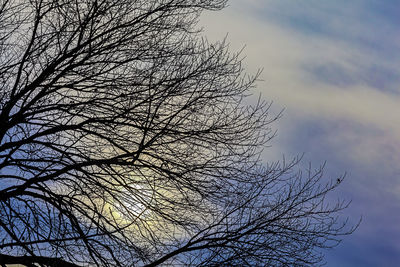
(335, 68)
(334, 76)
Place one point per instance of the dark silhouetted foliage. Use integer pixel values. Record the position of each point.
(126, 141)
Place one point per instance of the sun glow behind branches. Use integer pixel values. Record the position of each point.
(133, 203)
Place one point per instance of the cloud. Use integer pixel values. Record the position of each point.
(322, 62)
(335, 68)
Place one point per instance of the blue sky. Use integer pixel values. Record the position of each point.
(335, 68)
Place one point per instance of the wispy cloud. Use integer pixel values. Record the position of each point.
(335, 68)
(322, 61)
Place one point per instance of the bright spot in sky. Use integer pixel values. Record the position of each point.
(132, 203)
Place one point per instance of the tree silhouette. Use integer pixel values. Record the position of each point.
(125, 141)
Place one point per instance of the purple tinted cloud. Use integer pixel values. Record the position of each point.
(335, 67)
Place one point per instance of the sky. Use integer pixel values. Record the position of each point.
(334, 67)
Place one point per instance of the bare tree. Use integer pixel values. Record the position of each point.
(125, 141)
